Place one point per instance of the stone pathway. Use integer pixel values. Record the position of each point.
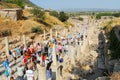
(89, 31)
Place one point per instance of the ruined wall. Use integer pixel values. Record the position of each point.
(12, 14)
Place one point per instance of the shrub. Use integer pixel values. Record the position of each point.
(99, 15)
(63, 16)
(18, 2)
(38, 13)
(81, 19)
(37, 30)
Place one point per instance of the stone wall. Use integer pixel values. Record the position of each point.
(14, 14)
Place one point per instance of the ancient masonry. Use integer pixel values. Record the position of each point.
(14, 14)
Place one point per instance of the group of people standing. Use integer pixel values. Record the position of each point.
(37, 55)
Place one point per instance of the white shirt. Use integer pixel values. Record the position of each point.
(14, 54)
(29, 74)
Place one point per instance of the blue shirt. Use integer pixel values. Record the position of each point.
(6, 64)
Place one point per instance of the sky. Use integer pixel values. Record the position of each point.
(77, 4)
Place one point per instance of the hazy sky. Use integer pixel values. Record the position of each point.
(67, 4)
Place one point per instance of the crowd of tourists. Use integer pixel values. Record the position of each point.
(37, 55)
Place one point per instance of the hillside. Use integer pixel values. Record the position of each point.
(8, 5)
(23, 2)
(30, 3)
(28, 22)
(25, 26)
(109, 24)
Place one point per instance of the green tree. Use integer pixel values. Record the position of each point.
(54, 13)
(63, 16)
(38, 13)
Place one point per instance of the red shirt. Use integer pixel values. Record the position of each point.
(25, 59)
(29, 52)
(33, 51)
(44, 57)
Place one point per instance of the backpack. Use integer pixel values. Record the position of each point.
(61, 60)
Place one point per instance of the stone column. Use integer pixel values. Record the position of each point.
(56, 34)
(7, 46)
(72, 55)
(24, 40)
(54, 55)
(42, 73)
(78, 50)
(50, 33)
(55, 64)
(44, 35)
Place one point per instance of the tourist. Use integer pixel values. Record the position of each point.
(61, 66)
(66, 48)
(32, 64)
(25, 61)
(38, 64)
(39, 58)
(39, 48)
(20, 72)
(46, 49)
(43, 59)
(30, 73)
(7, 68)
(59, 48)
(10, 53)
(21, 50)
(32, 49)
(49, 71)
(50, 48)
(49, 74)
(18, 51)
(47, 61)
(15, 56)
(12, 78)
(24, 49)
(28, 51)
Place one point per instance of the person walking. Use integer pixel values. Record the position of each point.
(20, 72)
(30, 73)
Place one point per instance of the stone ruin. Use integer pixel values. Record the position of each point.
(14, 14)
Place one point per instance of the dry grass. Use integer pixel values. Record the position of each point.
(113, 23)
(52, 20)
(18, 27)
(24, 26)
(7, 5)
(115, 76)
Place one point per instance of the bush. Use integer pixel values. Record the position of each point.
(99, 15)
(54, 13)
(18, 2)
(38, 13)
(81, 19)
(63, 16)
(37, 30)
(114, 45)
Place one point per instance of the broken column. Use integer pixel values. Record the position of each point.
(24, 41)
(54, 55)
(7, 46)
(71, 54)
(50, 34)
(42, 73)
(55, 64)
(78, 50)
(56, 34)
(44, 35)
